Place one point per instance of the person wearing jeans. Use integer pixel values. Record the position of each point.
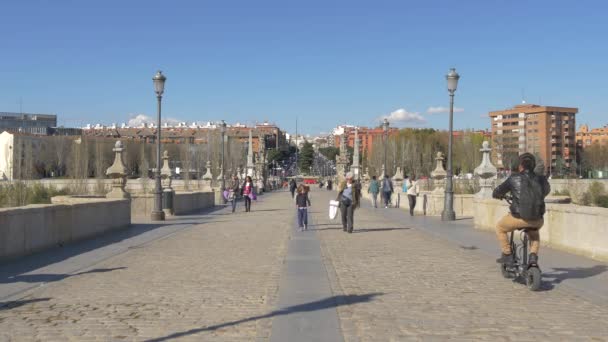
(349, 196)
(247, 192)
(374, 189)
(302, 204)
(234, 192)
(412, 192)
(387, 190)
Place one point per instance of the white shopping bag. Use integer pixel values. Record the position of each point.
(333, 209)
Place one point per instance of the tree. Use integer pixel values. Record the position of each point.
(306, 157)
(330, 152)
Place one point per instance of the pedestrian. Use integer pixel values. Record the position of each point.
(234, 191)
(247, 192)
(302, 204)
(374, 189)
(292, 187)
(413, 190)
(387, 190)
(349, 196)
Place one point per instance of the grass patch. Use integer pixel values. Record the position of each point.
(17, 194)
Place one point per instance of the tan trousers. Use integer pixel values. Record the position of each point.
(509, 223)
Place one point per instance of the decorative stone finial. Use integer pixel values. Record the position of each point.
(486, 172)
(439, 174)
(118, 173)
(208, 176)
(165, 172)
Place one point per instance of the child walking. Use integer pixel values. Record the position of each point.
(302, 204)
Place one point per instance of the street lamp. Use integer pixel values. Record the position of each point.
(448, 213)
(223, 131)
(385, 129)
(159, 87)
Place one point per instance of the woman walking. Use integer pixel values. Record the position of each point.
(247, 192)
(412, 192)
(374, 189)
(349, 196)
(302, 204)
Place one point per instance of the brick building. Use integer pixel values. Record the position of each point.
(546, 131)
(587, 137)
(367, 136)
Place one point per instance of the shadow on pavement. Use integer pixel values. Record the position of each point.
(330, 302)
(371, 230)
(28, 263)
(558, 275)
(18, 303)
(47, 278)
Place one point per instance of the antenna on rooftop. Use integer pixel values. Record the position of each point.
(523, 96)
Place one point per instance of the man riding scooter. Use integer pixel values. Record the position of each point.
(528, 191)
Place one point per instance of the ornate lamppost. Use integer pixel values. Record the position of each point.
(223, 131)
(159, 87)
(448, 213)
(385, 125)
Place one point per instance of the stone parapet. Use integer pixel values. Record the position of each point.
(33, 228)
(183, 202)
(573, 228)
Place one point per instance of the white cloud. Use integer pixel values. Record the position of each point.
(139, 119)
(402, 115)
(438, 110)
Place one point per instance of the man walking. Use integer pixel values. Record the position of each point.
(374, 189)
(387, 190)
(292, 187)
(234, 191)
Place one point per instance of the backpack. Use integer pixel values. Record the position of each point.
(531, 198)
(386, 185)
(404, 187)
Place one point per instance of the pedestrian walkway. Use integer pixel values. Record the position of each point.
(434, 288)
(207, 277)
(217, 276)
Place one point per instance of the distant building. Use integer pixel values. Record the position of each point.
(586, 137)
(546, 131)
(27, 123)
(367, 136)
(21, 155)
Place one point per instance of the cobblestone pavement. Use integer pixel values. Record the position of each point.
(434, 290)
(209, 282)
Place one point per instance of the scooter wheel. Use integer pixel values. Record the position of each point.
(505, 272)
(533, 278)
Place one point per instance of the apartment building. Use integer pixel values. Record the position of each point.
(587, 137)
(546, 131)
(367, 136)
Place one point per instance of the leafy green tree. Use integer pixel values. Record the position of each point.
(330, 152)
(306, 157)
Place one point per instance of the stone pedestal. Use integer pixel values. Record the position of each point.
(439, 174)
(486, 173)
(166, 177)
(118, 173)
(207, 177)
(398, 179)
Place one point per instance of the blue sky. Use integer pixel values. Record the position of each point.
(326, 62)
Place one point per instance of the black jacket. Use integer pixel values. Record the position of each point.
(302, 200)
(513, 184)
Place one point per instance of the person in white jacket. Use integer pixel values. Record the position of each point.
(412, 192)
